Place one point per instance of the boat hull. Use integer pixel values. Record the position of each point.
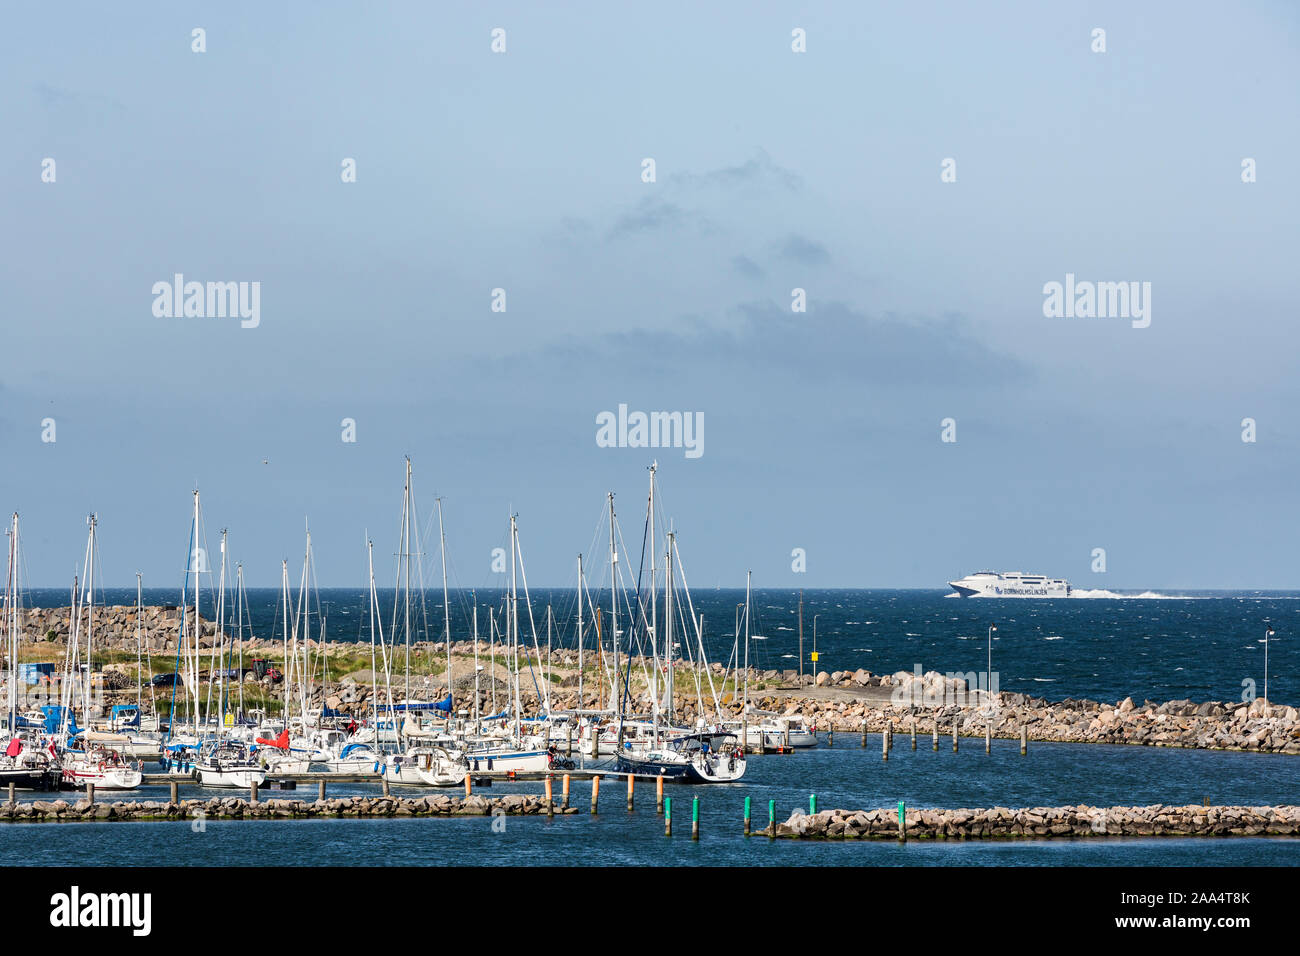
(505, 762)
(113, 779)
(30, 779)
(233, 778)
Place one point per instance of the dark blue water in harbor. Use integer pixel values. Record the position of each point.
(846, 776)
(1198, 645)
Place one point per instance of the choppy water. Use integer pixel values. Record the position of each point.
(1201, 645)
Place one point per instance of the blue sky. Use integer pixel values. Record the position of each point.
(775, 170)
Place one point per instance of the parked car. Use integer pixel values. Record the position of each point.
(227, 674)
(167, 680)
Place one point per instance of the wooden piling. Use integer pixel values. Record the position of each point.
(595, 740)
(902, 824)
(668, 817)
(252, 792)
(1024, 739)
(884, 746)
(695, 818)
(630, 782)
(385, 784)
(320, 791)
(659, 794)
(771, 819)
(469, 784)
(954, 735)
(988, 737)
(550, 795)
(936, 735)
(746, 815)
(565, 791)
(175, 787)
(12, 797)
(568, 747)
(90, 792)
(864, 734)
(913, 733)
(595, 792)
(830, 736)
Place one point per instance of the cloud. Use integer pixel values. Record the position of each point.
(747, 267)
(671, 207)
(831, 343)
(760, 171)
(808, 252)
(651, 214)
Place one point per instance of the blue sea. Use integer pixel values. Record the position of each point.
(1199, 645)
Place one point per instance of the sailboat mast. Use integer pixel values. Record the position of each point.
(288, 670)
(216, 658)
(613, 601)
(514, 622)
(194, 662)
(446, 611)
(406, 548)
(374, 677)
(580, 697)
(745, 711)
(11, 609)
(654, 610)
(304, 611)
(801, 637)
(492, 650)
(668, 630)
(477, 669)
(90, 618)
(239, 631)
(139, 644)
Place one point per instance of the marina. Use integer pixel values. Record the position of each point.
(847, 774)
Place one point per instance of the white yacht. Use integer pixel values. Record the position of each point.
(1010, 584)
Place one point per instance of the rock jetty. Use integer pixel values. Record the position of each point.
(235, 808)
(845, 701)
(1044, 823)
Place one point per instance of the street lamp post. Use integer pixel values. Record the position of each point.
(1268, 632)
(814, 657)
(988, 674)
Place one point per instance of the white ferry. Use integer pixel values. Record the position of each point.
(1010, 584)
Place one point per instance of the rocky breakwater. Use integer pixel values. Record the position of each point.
(114, 626)
(1044, 823)
(897, 700)
(236, 808)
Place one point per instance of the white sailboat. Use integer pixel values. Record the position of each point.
(26, 761)
(521, 752)
(225, 761)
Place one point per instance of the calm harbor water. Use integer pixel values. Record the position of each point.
(846, 776)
